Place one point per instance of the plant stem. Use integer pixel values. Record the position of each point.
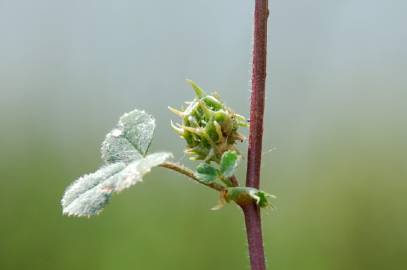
(187, 172)
(254, 236)
(251, 211)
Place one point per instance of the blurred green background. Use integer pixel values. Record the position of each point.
(334, 147)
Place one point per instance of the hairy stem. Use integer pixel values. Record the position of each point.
(252, 212)
(254, 236)
(187, 172)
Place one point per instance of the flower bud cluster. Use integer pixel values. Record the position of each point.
(208, 126)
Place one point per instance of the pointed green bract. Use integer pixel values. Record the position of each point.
(198, 90)
(228, 163)
(88, 195)
(130, 139)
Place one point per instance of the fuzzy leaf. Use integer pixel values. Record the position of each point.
(228, 163)
(130, 139)
(206, 173)
(135, 171)
(88, 195)
(76, 193)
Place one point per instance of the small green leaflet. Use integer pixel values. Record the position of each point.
(206, 173)
(124, 152)
(228, 163)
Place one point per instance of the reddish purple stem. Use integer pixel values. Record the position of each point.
(254, 236)
(252, 211)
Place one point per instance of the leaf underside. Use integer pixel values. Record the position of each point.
(124, 152)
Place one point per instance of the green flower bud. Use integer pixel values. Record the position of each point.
(208, 126)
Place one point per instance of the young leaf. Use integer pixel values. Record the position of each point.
(88, 195)
(243, 195)
(228, 163)
(130, 139)
(206, 173)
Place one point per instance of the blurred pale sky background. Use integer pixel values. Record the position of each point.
(334, 146)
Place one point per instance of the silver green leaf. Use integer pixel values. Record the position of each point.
(135, 171)
(130, 139)
(89, 194)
